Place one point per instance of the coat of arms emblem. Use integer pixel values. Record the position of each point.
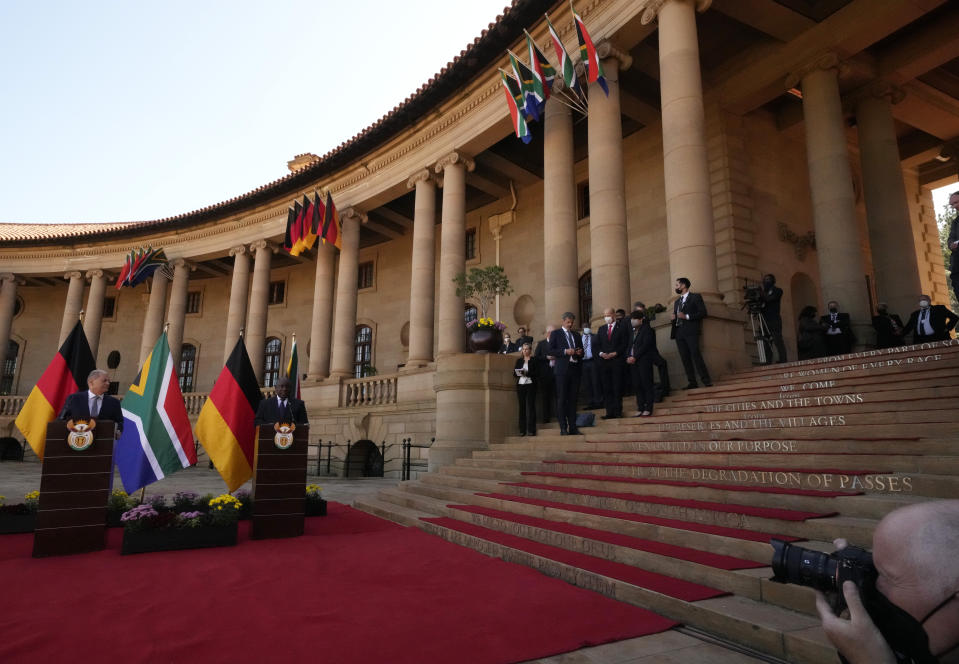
(81, 434)
(283, 438)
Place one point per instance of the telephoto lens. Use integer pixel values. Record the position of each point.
(822, 571)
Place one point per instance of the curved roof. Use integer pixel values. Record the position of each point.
(485, 49)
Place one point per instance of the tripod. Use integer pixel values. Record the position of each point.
(762, 335)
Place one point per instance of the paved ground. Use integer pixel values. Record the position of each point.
(17, 479)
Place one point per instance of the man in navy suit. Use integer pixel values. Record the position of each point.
(566, 347)
(612, 341)
(930, 322)
(688, 312)
(94, 402)
(282, 407)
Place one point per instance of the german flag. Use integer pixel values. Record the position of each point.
(332, 229)
(66, 374)
(225, 427)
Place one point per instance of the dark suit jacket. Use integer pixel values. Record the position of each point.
(772, 299)
(535, 370)
(77, 406)
(644, 343)
(885, 335)
(953, 237)
(617, 344)
(695, 308)
(557, 349)
(844, 324)
(269, 411)
(940, 318)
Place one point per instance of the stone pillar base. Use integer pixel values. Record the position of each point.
(722, 343)
(475, 405)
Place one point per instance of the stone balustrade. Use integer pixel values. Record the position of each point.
(10, 405)
(372, 391)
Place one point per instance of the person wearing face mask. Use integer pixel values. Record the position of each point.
(594, 388)
(839, 335)
(772, 297)
(930, 322)
(689, 310)
(658, 360)
(508, 345)
(888, 327)
(639, 359)
(611, 341)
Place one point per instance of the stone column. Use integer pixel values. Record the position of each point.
(344, 320)
(452, 331)
(8, 301)
(93, 320)
(689, 210)
(322, 324)
(153, 320)
(839, 248)
(239, 292)
(422, 286)
(259, 305)
(71, 310)
(176, 315)
(609, 246)
(560, 263)
(887, 209)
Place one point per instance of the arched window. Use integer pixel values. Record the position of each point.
(9, 367)
(271, 361)
(586, 298)
(470, 313)
(187, 369)
(362, 350)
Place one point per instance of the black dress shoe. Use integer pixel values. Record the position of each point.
(563, 433)
(523, 433)
(691, 386)
(607, 417)
(707, 384)
(574, 432)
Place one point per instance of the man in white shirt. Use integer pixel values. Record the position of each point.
(930, 322)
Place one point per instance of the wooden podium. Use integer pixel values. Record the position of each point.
(279, 487)
(74, 490)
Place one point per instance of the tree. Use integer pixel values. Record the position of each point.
(481, 285)
(944, 221)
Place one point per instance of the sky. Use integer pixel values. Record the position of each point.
(127, 111)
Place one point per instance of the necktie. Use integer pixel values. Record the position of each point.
(609, 332)
(569, 338)
(95, 406)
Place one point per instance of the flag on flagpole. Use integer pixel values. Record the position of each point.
(67, 373)
(139, 265)
(293, 372)
(319, 210)
(225, 427)
(513, 94)
(290, 222)
(566, 68)
(542, 69)
(533, 99)
(156, 439)
(588, 54)
(332, 228)
(296, 229)
(306, 237)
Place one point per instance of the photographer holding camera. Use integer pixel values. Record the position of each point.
(903, 599)
(772, 297)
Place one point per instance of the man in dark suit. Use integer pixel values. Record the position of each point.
(282, 407)
(953, 243)
(94, 402)
(594, 388)
(889, 327)
(930, 322)
(611, 341)
(658, 360)
(547, 388)
(772, 298)
(640, 362)
(566, 347)
(839, 334)
(688, 312)
(522, 338)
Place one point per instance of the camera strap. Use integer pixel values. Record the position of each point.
(904, 634)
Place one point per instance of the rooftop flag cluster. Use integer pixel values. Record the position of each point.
(309, 220)
(139, 265)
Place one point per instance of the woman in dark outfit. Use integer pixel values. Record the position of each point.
(527, 375)
(639, 357)
(811, 340)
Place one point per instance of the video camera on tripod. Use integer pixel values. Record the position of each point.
(754, 301)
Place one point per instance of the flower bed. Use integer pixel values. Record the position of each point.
(21, 517)
(154, 527)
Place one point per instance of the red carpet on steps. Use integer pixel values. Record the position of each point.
(666, 585)
(759, 469)
(627, 541)
(749, 510)
(704, 485)
(354, 589)
(736, 533)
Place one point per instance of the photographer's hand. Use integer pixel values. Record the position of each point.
(858, 639)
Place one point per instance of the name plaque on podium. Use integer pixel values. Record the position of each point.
(74, 489)
(279, 486)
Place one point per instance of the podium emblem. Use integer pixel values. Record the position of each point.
(283, 438)
(81, 434)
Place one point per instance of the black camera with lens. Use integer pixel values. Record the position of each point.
(753, 297)
(827, 572)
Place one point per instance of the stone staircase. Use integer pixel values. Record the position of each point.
(674, 513)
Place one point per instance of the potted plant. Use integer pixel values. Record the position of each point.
(315, 505)
(20, 517)
(118, 503)
(482, 285)
(153, 527)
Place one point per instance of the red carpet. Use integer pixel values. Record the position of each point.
(666, 585)
(735, 533)
(354, 589)
(628, 541)
(758, 469)
(704, 485)
(698, 452)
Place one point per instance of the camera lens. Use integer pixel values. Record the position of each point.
(804, 567)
